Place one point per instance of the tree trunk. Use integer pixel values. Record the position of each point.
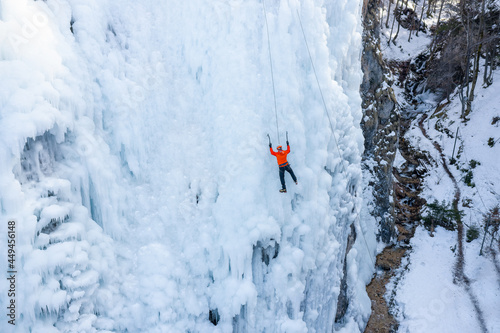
(433, 45)
(388, 14)
(412, 26)
(475, 72)
(476, 60)
(399, 21)
(462, 100)
(493, 55)
(432, 7)
(421, 17)
(487, 61)
(462, 8)
(440, 11)
(429, 6)
(465, 99)
(392, 28)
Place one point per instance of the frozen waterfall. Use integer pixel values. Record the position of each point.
(134, 163)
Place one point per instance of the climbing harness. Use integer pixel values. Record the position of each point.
(324, 104)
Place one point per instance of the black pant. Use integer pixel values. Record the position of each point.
(282, 175)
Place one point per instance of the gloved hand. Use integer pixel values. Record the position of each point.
(287, 143)
(270, 145)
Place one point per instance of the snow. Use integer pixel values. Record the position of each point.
(454, 311)
(404, 48)
(134, 161)
(424, 295)
(429, 300)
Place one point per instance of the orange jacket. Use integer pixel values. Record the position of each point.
(281, 156)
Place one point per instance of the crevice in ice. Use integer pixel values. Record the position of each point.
(269, 252)
(37, 159)
(343, 299)
(289, 309)
(240, 321)
(53, 225)
(213, 316)
(124, 162)
(95, 210)
(297, 199)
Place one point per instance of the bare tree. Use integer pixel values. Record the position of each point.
(393, 20)
(412, 26)
(433, 44)
(465, 82)
(475, 70)
(398, 14)
(388, 14)
(421, 17)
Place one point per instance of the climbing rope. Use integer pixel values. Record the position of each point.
(321, 92)
(331, 126)
(272, 73)
(322, 98)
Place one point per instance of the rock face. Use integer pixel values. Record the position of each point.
(380, 123)
(343, 300)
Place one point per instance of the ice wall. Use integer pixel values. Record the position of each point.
(135, 164)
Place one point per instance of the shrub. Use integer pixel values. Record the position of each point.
(442, 214)
(472, 233)
(493, 216)
(491, 142)
(474, 163)
(468, 179)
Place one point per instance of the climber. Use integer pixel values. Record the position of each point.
(283, 164)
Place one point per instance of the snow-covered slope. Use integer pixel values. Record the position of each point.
(134, 163)
(428, 297)
(428, 293)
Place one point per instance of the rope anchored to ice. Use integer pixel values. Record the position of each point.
(272, 73)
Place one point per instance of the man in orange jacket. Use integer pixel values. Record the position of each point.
(283, 164)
